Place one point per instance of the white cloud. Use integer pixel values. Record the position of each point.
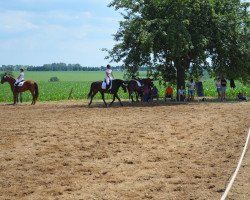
(16, 21)
(29, 36)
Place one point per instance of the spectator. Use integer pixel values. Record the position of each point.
(191, 86)
(146, 93)
(218, 87)
(181, 94)
(155, 93)
(232, 84)
(223, 82)
(242, 96)
(169, 92)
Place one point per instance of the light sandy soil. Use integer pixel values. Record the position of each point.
(66, 150)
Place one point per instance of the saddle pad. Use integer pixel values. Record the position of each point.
(138, 82)
(103, 85)
(20, 84)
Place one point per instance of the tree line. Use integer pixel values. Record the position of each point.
(60, 67)
(57, 67)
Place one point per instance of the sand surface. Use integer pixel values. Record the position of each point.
(66, 150)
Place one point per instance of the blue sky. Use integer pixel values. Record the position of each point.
(37, 32)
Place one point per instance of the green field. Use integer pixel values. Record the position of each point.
(79, 83)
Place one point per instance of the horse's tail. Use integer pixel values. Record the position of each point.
(90, 91)
(36, 91)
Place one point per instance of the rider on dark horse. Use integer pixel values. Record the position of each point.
(109, 77)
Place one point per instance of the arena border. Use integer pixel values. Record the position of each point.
(224, 196)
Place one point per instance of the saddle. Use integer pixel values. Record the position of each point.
(105, 86)
(19, 84)
(138, 82)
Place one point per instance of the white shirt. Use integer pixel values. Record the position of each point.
(218, 84)
(181, 91)
(191, 85)
(108, 72)
(21, 77)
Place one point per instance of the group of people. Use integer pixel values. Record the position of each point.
(181, 93)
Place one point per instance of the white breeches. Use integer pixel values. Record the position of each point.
(108, 79)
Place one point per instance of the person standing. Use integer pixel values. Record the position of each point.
(191, 86)
(154, 93)
(218, 87)
(223, 82)
(146, 93)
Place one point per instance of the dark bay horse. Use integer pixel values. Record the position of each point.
(28, 85)
(133, 87)
(97, 87)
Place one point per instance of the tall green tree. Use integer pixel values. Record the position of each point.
(178, 37)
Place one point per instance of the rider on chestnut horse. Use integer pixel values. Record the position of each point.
(27, 85)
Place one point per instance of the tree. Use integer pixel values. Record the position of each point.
(178, 37)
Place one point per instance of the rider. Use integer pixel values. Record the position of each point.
(20, 77)
(109, 76)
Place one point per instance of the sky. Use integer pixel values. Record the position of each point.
(37, 32)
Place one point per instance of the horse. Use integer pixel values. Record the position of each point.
(97, 87)
(27, 85)
(133, 87)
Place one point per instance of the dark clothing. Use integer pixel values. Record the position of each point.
(223, 82)
(232, 84)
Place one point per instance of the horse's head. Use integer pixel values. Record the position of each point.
(4, 78)
(7, 78)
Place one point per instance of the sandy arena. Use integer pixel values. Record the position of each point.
(161, 151)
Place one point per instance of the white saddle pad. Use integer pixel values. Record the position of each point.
(20, 84)
(103, 85)
(138, 82)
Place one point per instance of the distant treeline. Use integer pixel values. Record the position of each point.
(60, 67)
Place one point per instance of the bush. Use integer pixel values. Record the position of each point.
(54, 79)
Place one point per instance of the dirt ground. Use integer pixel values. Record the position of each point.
(167, 151)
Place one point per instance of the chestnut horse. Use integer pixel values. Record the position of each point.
(27, 85)
(133, 87)
(97, 87)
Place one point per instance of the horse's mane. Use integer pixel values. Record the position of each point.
(8, 74)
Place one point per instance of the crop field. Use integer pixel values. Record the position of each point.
(75, 85)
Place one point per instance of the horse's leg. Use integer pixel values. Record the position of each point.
(130, 96)
(21, 97)
(15, 97)
(137, 96)
(33, 96)
(91, 98)
(112, 100)
(103, 99)
(133, 96)
(118, 98)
